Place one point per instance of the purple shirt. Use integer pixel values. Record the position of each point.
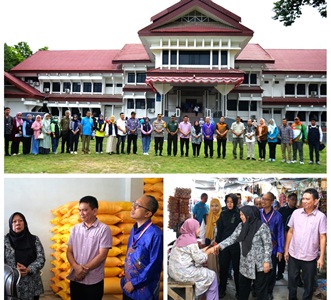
(86, 243)
(185, 127)
(306, 233)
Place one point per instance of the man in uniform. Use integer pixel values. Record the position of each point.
(172, 129)
(158, 127)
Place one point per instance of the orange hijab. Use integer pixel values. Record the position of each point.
(212, 218)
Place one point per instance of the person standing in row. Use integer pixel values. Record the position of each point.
(99, 134)
(286, 136)
(208, 137)
(305, 244)
(75, 128)
(111, 133)
(16, 134)
(132, 125)
(55, 133)
(272, 139)
(315, 139)
(8, 126)
(36, 126)
(196, 138)
(45, 143)
(122, 132)
(185, 132)
(87, 251)
(238, 130)
(262, 136)
(65, 132)
(222, 130)
(299, 137)
(172, 129)
(146, 135)
(27, 134)
(158, 127)
(250, 139)
(87, 128)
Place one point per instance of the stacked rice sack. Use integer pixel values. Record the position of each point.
(117, 216)
(179, 207)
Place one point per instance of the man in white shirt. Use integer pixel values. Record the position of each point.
(121, 133)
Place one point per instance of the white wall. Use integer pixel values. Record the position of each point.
(36, 197)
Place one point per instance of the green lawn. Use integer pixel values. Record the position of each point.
(137, 164)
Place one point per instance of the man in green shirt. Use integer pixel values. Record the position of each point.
(172, 129)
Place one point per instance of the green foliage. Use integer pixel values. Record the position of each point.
(13, 55)
(43, 49)
(287, 11)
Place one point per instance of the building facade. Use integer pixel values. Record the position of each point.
(193, 53)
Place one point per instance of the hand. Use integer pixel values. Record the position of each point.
(286, 256)
(128, 287)
(80, 272)
(266, 267)
(279, 256)
(22, 269)
(320, 264)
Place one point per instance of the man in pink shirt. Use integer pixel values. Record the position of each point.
(305, 238)
(185, 132)
(88, 247)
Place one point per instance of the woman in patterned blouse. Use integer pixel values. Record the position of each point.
(255, 258)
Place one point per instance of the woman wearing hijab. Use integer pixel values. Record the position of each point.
(111, 134)
(16, 134)
(186, 262)
(146, 135)
(226, 225)
(25, 252)
(211, 230)
(99, 134)
(56, 133)
(272, 139)
(74, 127)
(261, 134)
(45, 143)
(256, 248)
(27, 134)
(196, 138)
(36, 127)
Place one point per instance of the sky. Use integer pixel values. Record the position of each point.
(109, 24)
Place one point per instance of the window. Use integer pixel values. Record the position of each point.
(313, 89)
(215, 58)
(119, 84)
(224, 58)
(140, 103)
(253, 78)
(173, 57)
(141, 77)
(194, 57)
(301, 89)
(246, 79)
(232, 105)
(87, 87)
(56, 86)
(76, 87)
(289, 89)
(97, 87)
(109, 85)
(47, 86)
(250, 78)
(131, 78)
(243, 105)
(66, 86)
(165, 57)
(195, 17)
(302, 116)
(150, 103)
(253, 106)
(130, 104)
(290, 115)
(323, 89)
(266, 81)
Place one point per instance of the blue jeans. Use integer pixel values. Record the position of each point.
(55, 143)
(146, 140)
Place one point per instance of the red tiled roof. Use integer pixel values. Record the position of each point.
(297, 60)
(192, 71)
(292, 100)
(22, 87)
(254, 53)
(132, 53)
(248, 89)
(70, 61)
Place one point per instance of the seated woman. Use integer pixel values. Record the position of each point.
(25, 252)
(256, 248)
(186, 262)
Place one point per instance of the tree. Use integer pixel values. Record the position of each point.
(43, 48)
(13, 55)
(287, 11)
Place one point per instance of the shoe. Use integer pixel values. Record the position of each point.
(206, 156)
(293, 161)
(147, 153)
(311, 162)
(222, 295)
(71, 152)
(288, 161)
(302, 163)
(160, 154)
(241, 158)
(96, 152)
(211, 157)
(279, 277)
(7, 154)
(273, 160)
(248, 158)
(101, 152)
(155, 154)
(186, 155)
(283, 160)
(234, 158)
(318, 163)
(253, 158)
(270, 159)
(270, 297)
(75, 152)
(88, 152)
(262, 158)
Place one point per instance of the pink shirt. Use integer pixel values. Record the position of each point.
(306, 233)
(86, 243)
(185, 127)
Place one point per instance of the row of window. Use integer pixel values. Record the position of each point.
(243, 105)
(194, 57)
(140, 103)
(77, 87)
(301, 89)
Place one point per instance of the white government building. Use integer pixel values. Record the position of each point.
(193, 53)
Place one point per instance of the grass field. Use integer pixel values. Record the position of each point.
(142, 164)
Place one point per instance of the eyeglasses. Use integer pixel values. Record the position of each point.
(135, 205)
